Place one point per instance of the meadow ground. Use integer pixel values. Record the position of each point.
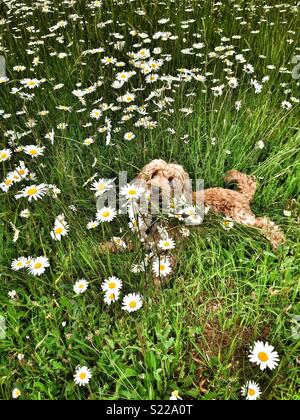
(96, 88)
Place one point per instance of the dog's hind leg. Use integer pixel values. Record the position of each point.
(270, 231)
(246, 184)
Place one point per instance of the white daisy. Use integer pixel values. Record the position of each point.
(286, 105)
(93, 224)
(33, 150)
(108, 60)
(28, 261)
(5, 186)
(88, 141)
(112, 284)
(82, 376)
(260, 145)
(129, 136)
(101, 186)
(127, 98)
(96, 114)
(25, 214)
(227, 223)
(19, 68)
(111, 296)
(152, 78)
(60, 229)
(233, 82)
(248, 68)
(264, 356)
(80, 286)
(16, 393)
(34, 192)
(18, 264)
(161, 267)
(38, 266)
(166, 244)
(107, 214)
(5, 154)
(21, 172)
(131, 191)
(175, 396)
(251, 391)
(143, 54)
(185, 232)
(16, 232)
(123, 76)
(119, 243)
(12, 294)
(132, 302)
(194, 219)
(31, 83)
(137, 225)
(8, 182)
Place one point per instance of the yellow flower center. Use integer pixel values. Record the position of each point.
(132, 192)
(81, 286)
(111, 296)
(82, 376)
(132, 304)
(106, 214)
(162, 267)
(32, 191)
(8, 182)
(33, 152)
(21, 172)
(59, 230)
(166, 243)
(38, 265)
(3, 155)
(251, 392)
(31, 83)
(19, 264)
(263, 357)
(112, 285)
(101, 187)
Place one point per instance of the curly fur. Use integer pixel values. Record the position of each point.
(168, 177)
(235, 204)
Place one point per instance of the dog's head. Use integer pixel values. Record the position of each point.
(169, 179)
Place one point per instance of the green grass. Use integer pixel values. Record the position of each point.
(228, 290)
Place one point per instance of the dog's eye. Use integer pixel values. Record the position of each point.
(171, 179)
(154, 174)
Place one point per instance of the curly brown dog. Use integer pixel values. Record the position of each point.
(234, 204)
